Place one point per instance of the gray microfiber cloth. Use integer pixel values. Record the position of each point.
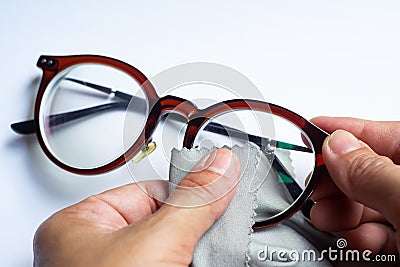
(231, 240)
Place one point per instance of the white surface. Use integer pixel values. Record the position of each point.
(314, 57)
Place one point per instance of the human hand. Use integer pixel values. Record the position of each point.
(362, 196)
(128, 226)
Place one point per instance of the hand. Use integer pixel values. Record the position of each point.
(363, 195)
(127, 226)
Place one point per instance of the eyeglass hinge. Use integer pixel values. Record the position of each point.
(47, 63)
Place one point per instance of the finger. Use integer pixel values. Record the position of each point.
(118, 207)
(334, 211)
(326, 188)
(210, 189)
(363, 175)
(376, 237)
(382, 137)
(337, 214)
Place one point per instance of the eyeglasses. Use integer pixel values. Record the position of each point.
(94, 114)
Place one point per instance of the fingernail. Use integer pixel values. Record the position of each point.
(342, 142)
(221, 161)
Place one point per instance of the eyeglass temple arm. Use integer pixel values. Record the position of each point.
(104, 89)
(263, 142)
(28, 127)
(293, 187)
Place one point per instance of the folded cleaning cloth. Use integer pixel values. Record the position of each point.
(231, 240)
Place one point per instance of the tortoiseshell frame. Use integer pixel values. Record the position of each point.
(195, 117)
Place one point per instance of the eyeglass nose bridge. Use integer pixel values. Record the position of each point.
(165, 105)
(178, 105)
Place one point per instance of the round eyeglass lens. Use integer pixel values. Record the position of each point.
(287, 157)
(83, 111)
(152, 162)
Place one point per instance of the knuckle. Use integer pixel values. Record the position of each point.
(396, 154)
(46, 230)
(365, 165)
(204, 188)
(199, 179)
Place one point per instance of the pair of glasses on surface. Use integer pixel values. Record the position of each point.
(94, 114)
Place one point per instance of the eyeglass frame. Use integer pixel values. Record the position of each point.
(195, 119)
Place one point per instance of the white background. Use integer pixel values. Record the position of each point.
(337, 58)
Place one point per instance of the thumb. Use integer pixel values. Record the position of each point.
(201, 198)
(363, 175)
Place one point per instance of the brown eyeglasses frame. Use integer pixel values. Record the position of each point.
(196, 118)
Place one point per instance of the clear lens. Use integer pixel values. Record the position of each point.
(151, 164)
(83, 112)
(288, 156)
